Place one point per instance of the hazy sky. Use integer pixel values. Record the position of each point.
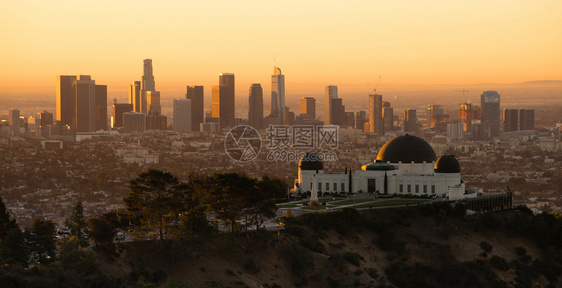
(315, 42)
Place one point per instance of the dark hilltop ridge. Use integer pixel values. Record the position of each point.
(433, 245)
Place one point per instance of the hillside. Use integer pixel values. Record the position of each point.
(424, 246)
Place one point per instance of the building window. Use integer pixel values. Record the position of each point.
(335, 186)
(417, 188)
(424, 189)
(327, 186)
(401, 188)
(342, 187)
(319, 186)
(432, 189)
(409, 188)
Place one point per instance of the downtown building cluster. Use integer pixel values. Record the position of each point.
(81, 107)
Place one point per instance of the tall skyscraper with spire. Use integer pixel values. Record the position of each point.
(278, 95)
(147, 76)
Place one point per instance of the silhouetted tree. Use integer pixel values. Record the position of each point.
(14, 248)
(155, 199)
(229, 196)
(41, 239)
(78, 224)
(5, 222)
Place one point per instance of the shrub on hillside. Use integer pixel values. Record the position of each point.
(353, 258)
(499, 263)
(487, 247)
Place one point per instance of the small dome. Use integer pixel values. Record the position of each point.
(447, 164)
(406, 149)
(377, 166)
(311, 161)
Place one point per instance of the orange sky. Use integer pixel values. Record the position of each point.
(314, 42)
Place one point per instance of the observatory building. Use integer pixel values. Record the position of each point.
(405, 165)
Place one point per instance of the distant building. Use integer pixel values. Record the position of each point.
(331, 92)
(434, 113)
(195, 94)
(289, 117)
(490, 104)
(148, 76)
(455, 131)
(526, 119)
(118, 110)
(85, 104)
(153, 102)
(388, 118)
(14, 120)
(255, 106)
(134, 122)
(66, 100)
(223, 101)
(101, 107)
(308, 107)
(156, 121)
(337, 108)
(209, 127)
(136, 98)
(278, 95)
(182, 115)
(410, 121)
(510, 120)
(468, 113)
(360, 119)
(376, 124)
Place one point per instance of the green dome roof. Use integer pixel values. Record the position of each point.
(377, 166)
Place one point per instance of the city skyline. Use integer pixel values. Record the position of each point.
(352, 43)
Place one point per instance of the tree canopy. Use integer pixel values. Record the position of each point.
(155, 199)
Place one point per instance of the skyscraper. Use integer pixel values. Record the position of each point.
(510, 120)
(468, 113)
(387, 117)
(223, 101)
(278, 95)
(101, 107)
(337, 115)
(14, 120)
(147, 76)
(182, 115)
(255, 107)
(308, 107)
(376, 124)
(153, 102)
(66, 100)
(195, 94)
(118, 110)
(434, 113)
(331, 92)
(527, 119)
(410, 121)
(135, 97)
(85, 104)
(490, 104)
